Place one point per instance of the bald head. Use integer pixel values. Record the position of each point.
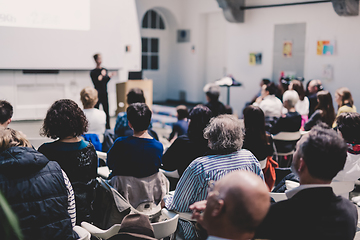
(244, 201)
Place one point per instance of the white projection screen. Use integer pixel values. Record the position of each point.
(61, 34)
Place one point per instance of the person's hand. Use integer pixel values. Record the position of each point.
(100, 77)
(197, 209)
(103, 72)
(258, 99)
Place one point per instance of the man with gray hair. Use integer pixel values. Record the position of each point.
(312, 210)
(225, 136)
(212, 92)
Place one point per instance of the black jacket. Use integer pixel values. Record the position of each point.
(81, 168)
(311, 214)
(35, 189)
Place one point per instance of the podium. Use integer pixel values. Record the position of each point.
(123, 88)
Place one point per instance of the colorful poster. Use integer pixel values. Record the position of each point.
(255, 59)
(287, 49)
(325, 47)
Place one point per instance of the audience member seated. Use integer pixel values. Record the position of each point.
(270, 104)
(138, 155)
(66, 122)
(181, 126)
(122, 128)
(37, 190)
(234, 207)
(312, 88)
(324, 111)
(302, 106)
(96, 118)
(344, 101)
(264, 81)
(6, 112)
(312, 210)
(290, 122)
(258, 142)
(188, 147)
(348, 126)
(135, 161)
(225, 138)
(212, 92)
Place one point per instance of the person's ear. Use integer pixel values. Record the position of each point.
(218, 208)
(130, 125)
(302, 165)
(8, 121)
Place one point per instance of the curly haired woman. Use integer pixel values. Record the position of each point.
(66, 122)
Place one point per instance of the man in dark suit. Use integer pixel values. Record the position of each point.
(100, 77)
(313, 211)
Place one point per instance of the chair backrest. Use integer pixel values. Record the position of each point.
(101, 155)
(287, 136)
(278, 196)
(82, 232)
(286, 142)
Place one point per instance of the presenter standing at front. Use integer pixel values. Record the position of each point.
(100, 77)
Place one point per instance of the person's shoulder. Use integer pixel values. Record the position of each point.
(99, 112)
(121, 139)
(244, 153)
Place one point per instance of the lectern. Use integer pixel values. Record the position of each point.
(123, 88)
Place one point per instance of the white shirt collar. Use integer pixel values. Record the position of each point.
(292, 192)
(215, 238)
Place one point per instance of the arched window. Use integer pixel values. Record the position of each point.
(153, 20)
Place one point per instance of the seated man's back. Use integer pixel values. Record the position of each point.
(312, 211)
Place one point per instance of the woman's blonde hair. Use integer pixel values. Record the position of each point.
(89, 97)
(12, 138)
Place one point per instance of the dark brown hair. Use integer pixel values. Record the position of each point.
(345, 95)
(326, 106)
(299, 88)
(64, 119)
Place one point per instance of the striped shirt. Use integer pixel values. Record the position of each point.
(71, 199)
(192, 186)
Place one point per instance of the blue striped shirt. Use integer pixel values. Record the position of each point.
(71, 199)
(192, 186)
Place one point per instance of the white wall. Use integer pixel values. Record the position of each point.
(32, 94)
(257, 34)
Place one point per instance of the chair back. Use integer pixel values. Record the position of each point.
(287, 136)
(284, 143)
(278, 196)
(82, 232)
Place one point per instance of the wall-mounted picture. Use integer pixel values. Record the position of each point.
(325, 47)
(287, 49)
(255, 59)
